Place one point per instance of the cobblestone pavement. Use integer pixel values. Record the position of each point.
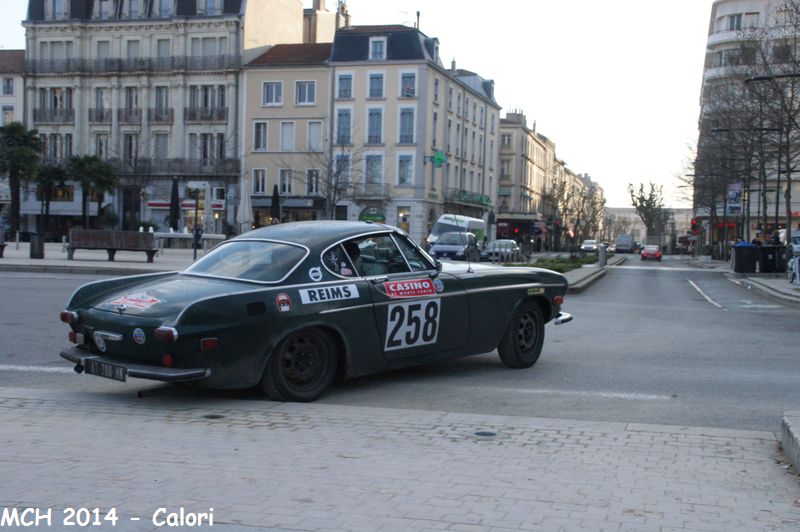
(275, 466)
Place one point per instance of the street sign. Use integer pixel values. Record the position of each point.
(197, 184)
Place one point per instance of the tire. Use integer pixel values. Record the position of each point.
(301, 368)
(521, 344)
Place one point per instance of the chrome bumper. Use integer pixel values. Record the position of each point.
(562, 318)
(139, 371)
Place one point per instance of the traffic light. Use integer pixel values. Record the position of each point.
(694, 225)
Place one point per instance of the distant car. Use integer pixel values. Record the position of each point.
(589, 246)
(651, 253)
(291, 307)
(637, 247)
(456, 246)
(501, 250)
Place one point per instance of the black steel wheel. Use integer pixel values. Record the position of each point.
(521, 345)
(301, 368)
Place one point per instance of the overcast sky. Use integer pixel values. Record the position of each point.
(614, 83)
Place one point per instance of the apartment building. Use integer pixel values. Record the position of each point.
(12, 100)
(152, 87)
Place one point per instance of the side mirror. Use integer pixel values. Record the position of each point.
(438, 270)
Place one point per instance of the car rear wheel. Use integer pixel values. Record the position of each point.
(301, 368)
(522, 343)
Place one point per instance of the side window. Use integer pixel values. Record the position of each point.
(415, 259)
(379, 255)
(341, 262)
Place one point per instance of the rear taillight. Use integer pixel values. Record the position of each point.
(558, 300)
(166, 334)
(167, 360)
(73, 338)
(209, 344)
(69, 316)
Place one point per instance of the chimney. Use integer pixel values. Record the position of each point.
(453, 64)
(319, 5)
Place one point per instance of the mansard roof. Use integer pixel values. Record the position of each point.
(403, 43)
(12, 61)
(82, 9)
(294, 54)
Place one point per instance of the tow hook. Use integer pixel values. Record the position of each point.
(78, 369)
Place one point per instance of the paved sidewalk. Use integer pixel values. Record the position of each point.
(774, 285)
(282, 466)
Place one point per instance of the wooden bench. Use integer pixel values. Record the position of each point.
(111, 241)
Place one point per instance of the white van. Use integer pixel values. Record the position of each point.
(449, 223)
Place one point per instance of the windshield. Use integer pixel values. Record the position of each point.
(501, 244)
(590, 242)
(441, 227)
(250, 260)
(453, 238)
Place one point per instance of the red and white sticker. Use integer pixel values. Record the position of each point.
(409, 288)
(140, 300)
(284, 302)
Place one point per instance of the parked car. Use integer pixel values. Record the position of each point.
(290, 307)
(456, 246)
(651, 252)
(454, 223)
(501, 250)
(589, 246)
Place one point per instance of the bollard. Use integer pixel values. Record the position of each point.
(63, 243)
(17, 239)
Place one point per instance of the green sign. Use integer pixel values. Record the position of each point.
(439, 158)
(372, 214)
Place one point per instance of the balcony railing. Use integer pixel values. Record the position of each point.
(129, 116)
(205, 114)
(160, 115)
(100, 116)
(54, 116)
(373, 190)
(146, 166)
(139, 64)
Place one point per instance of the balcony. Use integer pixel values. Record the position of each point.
(139, 64)
(129, 116)
(373, 190)
(160, 115)
(100, 116)
(54, 116)
(171, 167)
(205, 114)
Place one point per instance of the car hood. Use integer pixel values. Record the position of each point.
(165, 296)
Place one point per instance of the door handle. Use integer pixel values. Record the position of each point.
(376, 280)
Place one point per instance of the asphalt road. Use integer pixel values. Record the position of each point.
(651, 343)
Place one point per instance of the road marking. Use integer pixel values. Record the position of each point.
(706, 296)
(666, 268)
(34, 369)
(605, 395)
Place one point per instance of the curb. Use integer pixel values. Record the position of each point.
(120, 271)
(769, 290)
(590, 279)
(789, 440)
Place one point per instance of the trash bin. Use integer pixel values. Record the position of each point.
(745, 257)
(37, 246)
(772, 259)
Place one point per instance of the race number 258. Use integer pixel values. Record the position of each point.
(412, 323)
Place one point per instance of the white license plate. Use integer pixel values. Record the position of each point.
(104, 369)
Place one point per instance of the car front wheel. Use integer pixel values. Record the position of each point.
(301, 368)
(521, 344)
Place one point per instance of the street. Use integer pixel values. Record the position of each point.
(651, 343)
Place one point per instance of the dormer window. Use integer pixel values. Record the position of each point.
(377, 48)
(102, 9)
(163, 8)
(134, 8)
(208, 7)
(58, 9)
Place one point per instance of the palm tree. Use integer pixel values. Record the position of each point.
(94, 175)
(19, 155)
(47, 178)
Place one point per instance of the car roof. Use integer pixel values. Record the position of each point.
(317, 232)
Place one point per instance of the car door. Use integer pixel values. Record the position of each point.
(418, 311)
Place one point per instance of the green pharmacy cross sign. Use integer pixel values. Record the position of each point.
(439, 158)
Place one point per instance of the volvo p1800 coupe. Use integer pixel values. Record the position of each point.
(292, 307)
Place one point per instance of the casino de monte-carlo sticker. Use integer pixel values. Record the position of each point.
(284, 302)
(323, 294)
(409, 288)
(139, 300)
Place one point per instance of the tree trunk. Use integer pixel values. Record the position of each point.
(13, 183)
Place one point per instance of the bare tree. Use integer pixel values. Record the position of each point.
(649, 205)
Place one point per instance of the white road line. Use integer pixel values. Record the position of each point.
(605, 395)
(34, 369)
(706, 295)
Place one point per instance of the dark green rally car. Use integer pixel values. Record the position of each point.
(291, 307)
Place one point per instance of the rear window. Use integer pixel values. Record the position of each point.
(454, 238)
(441, 227)
(250, 260)
(651, 248)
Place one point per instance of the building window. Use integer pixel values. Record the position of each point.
(164, 8)
(8, 86)
(304, 93)
(458, 109)
(435, 128)
(208, 7)
(374, 169)
(59, 9)
(161, 146)
(505, 168)
(130, 148)
(375, 126)
(101, 145)
(134, 8)
(377, 48)
(505, 140)
(735, 22)
(449, 98)
(8, 114)
(405, 168)
(315, 136)
(102, 9)
(448, 131)
(272, 93)
(312, 182)
(406, 125)
(436, 90)
(259, 181)
(343, 126)
(285, 181)
(375, 86)
(260, 136)
(287, 136)
(408, 85)
(342, 168)
(344, 86)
